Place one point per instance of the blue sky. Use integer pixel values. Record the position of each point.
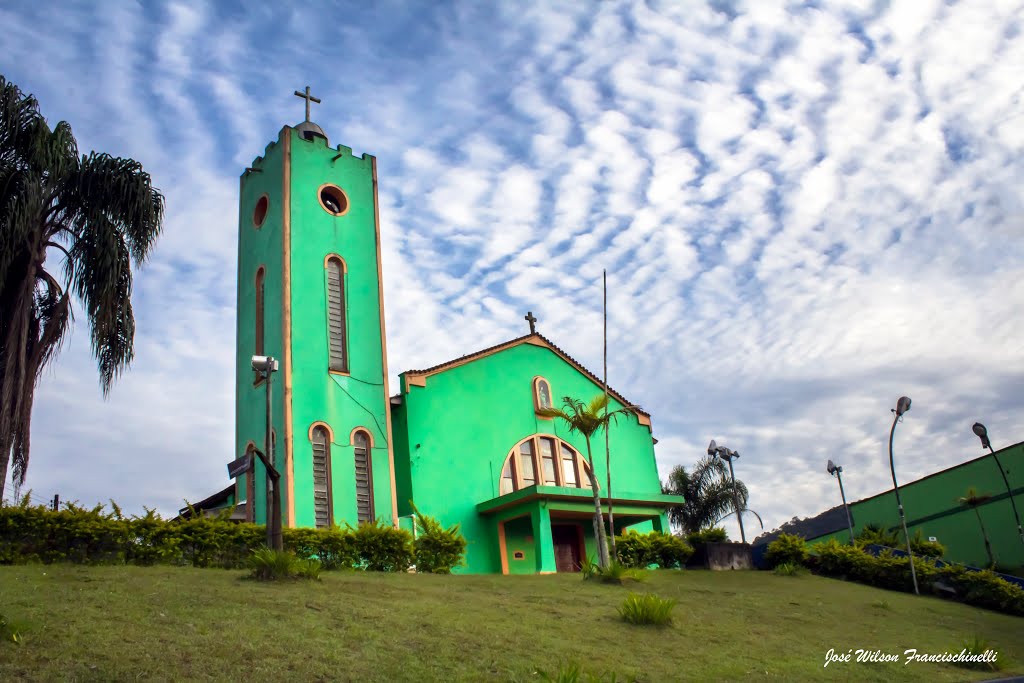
(806, 210)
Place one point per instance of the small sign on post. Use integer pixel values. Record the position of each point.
(240, 466)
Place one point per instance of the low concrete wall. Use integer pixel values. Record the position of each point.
(720, 556)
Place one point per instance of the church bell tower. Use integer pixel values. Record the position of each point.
(310, 295)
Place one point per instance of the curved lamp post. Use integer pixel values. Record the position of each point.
(982, 433)
(729, 455)
(837, 471)
(902, 406)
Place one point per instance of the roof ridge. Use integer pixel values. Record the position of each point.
(517, 340)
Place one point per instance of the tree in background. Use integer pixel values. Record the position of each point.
(708, 493)
(586, 419)
(98, 215)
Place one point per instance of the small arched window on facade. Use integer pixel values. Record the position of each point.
(541, 393)
(258, 333)
(321, 476)
(543, 460)
(337, 332)
(364, 476)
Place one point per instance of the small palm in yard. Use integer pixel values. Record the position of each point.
(707, 491)
(586, 419)
(973, 500)
(647, 609)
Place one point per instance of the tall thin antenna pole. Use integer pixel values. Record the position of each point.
(607, 450)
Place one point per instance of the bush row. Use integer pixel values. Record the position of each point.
(886, 570)
(641, 550)
(94, 536)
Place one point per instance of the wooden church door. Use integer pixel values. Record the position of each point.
(566, 540)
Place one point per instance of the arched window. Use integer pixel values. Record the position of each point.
(337, 332)
(321, 476)
(259, 324)
(541, 393)
(364, 476)
(543, 460)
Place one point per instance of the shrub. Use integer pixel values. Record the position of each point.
(573, 673)
(713, 535)
(647, 609)
(924, 548)
(277, 565)
(589, 568)
(382, 548)
(789, 569)
(976, 645)
(616, 572)
(9, 631)
(786, 549)
(438, 550)
(669, 551)
(633, 549)
(984, 588)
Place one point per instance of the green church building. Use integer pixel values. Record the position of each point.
(463, 439)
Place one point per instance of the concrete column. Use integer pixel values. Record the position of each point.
(544, 548)
(661, 523)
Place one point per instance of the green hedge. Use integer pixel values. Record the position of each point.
(95, 536)
(641, 550)
(886, 570)
(786, 549)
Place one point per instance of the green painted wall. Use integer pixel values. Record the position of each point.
(460, 428)
(930, 505)
(344, 402)
(519, 538)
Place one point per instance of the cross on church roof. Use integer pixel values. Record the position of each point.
(309, 98)
(530, 319)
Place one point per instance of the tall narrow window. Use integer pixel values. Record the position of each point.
(258, 332)
(364, 477)
(569, 471)
(526, 469)
(547, 461)
(336, 332)
(321, 477)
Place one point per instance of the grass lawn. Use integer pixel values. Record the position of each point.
(165, 623)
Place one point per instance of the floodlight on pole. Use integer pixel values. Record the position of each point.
(837, 471)
(728, 455)
(267, 366)
(902, 406)
(982, 433)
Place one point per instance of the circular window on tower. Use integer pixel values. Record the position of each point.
(333, 199)
(259, 214)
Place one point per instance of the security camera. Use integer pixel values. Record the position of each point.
(263, 363)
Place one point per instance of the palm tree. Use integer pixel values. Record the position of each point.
(586, 419)
(974, 500)
(98, 214)
(707, 491)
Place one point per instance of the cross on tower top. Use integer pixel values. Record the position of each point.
(309, 98)
(533, 321)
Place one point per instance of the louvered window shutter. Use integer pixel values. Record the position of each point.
(336, 316)
(364, 478)
(321, 478)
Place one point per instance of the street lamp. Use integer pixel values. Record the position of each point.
(902, 406)
(267, 366)
(982, 433)
(729, 455)
(837, 471)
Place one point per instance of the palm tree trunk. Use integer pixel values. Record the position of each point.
(602, 539)
(984, 534)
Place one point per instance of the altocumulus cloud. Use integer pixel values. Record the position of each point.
(805, 212)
